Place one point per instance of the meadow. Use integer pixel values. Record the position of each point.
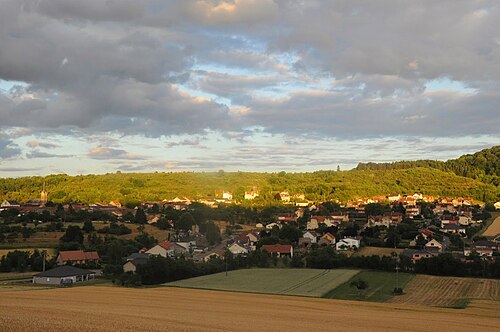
(302, 282)
(380, 286)
(99, 308)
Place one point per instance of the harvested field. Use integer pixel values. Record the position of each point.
(448, 291)
(303, 282)
(98, 308)
(493, 229)
(368, 251)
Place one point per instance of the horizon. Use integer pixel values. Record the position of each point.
(244, 85)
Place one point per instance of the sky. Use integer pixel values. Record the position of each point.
(92, 87)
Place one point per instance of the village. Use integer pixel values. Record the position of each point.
(414, 226)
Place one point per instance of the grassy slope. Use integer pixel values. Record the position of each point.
(380, 286)
(303, 282)
(317, 185)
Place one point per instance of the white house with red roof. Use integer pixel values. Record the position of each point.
(164, 249)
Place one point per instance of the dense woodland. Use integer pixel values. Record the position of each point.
(483, 165)
(321, 185)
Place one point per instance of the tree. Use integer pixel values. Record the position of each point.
(73, 234)
(88, 227)
(359, 284)
(140, 216)
(185, 222)
(212, 233)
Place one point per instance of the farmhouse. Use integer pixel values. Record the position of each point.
(63, 275)
(279, 249)
(77, 257)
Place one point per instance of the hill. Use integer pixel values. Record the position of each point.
(320, 185)
(483, 165)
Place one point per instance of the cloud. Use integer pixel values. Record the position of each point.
(8, 148)
(46, 145)
(40, 154)
(103, 153)
(194, 142)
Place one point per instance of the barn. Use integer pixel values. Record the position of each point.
(63, 275)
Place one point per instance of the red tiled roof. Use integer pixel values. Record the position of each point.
(166, 245)
(78, 255)
(281, 248)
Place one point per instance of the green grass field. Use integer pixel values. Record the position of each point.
(380, 286)
(302, 282)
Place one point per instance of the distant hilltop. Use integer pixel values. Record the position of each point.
(367, 180)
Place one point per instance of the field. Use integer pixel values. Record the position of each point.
(493, 229)
(368, 251)
(380, 286)
(303, 282)
(98, 308)
(50, 251)
(51, 239)
(448, 291)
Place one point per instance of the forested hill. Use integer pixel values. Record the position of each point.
(321, 185)
(483, 165)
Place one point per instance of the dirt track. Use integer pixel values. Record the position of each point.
(101, 308)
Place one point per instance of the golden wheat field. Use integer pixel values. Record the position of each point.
(493, 229)
(99, 308)
(448, 291)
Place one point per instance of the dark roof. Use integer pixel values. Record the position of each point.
(64, 271)
(138, 261)
(138, 255)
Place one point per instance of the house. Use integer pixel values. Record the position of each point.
(134, 260)
(339, 216)
(10, 204)
(312, 236)
(153, 218)
(419, 254)
(63, 275)
(464, 220)
(249, 195)
(164, 249)
(412, 211)
(394, 197)
(312, 224)
(497, 205)
(448, 219)
(236, 249)
(453, 229)
(116, 203)
(286, 217)
(227, 196)
(327, 239)
(347, 243)
(77, 257)
(395, 217)
(272, 225)
(434, 246)
(283, 196)
(280, 250)
(484, 248)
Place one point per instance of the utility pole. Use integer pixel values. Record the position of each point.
(44, 253)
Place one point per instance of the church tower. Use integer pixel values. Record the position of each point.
(43, 195)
